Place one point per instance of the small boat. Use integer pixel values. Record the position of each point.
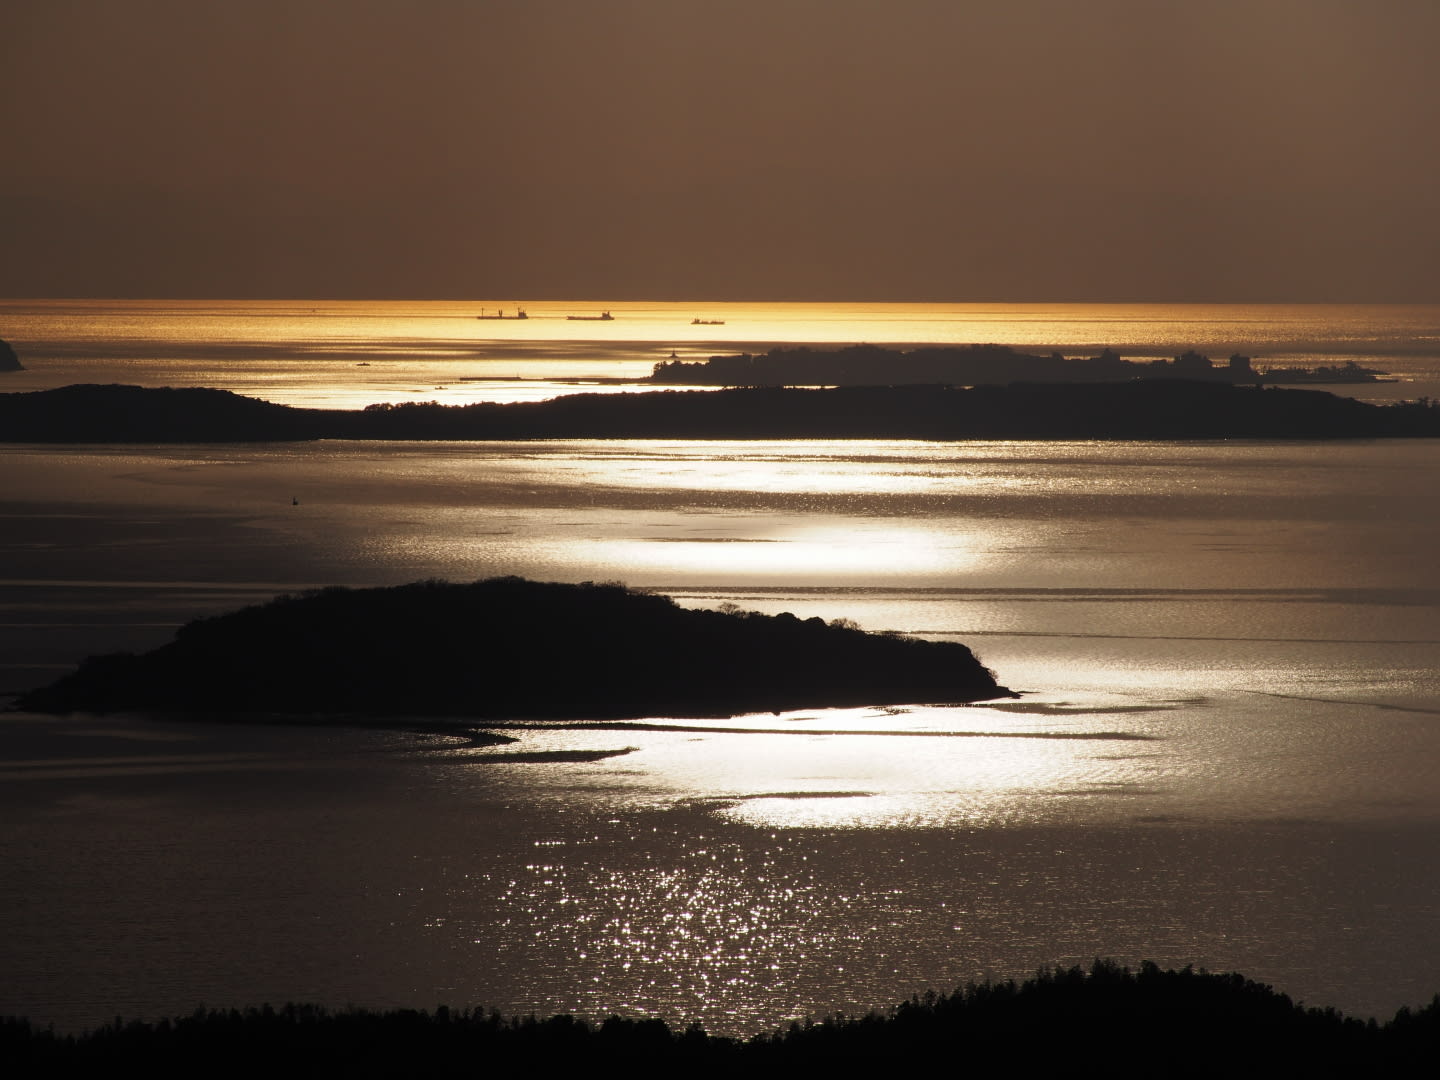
(604, 316)
(500, 314)
(707, 322)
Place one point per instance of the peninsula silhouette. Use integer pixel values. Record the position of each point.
(1135, 409)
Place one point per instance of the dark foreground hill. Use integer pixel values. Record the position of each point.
(1138, 409)
(507, 647)
(1109, 1022)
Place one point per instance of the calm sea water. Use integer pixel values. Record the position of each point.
(1226, 752)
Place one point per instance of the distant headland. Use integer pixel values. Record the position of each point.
(1151, 409)
(979, 365)
(510, 648)
(8, 360)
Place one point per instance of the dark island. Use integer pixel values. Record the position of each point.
(508, 647)
(978, 365)
(8, 360)
(1064, 1021)
(1136, 409)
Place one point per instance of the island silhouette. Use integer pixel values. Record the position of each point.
(1134, 409)
(512, 648)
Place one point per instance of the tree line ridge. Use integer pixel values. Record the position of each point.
(1101, 1022)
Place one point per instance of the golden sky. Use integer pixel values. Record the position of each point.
(1041, 150)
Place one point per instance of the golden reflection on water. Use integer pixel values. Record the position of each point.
(870, 782)
(828, 467)
(1001, 763)
(799, 550)
(120, 322)
(687, 923)
(348, 354)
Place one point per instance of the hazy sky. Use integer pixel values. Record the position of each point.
(722, 149)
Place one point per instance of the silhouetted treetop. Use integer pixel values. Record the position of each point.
(508, 647)
(1107, 1021)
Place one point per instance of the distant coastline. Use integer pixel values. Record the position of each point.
(1138, 409)
(977, 365)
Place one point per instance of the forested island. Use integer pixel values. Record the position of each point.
(1136, 409)
(1061, 1022)
(510, 648)
(977, 365)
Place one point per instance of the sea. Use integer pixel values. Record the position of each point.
(1224, 748)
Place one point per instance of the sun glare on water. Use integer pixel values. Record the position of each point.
(800, 551)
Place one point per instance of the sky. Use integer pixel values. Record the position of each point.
(929, 150)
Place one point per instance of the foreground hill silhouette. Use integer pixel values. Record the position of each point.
(508, 647)
(1137, 409)
(1106, 1022)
